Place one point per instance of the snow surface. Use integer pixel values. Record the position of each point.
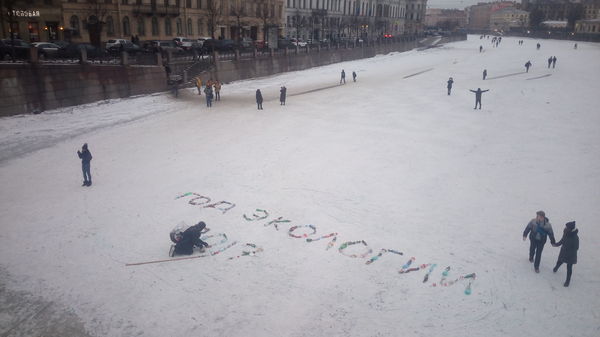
(391, 160)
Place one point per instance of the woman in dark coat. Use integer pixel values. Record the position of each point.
(259, 99)
(189, 239)
(568, 251)
(282, 94)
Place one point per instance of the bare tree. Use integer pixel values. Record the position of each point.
(268, 19)
(238, 11)
(96, 10)
(213, 9)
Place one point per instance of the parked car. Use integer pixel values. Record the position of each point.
(285, 43)
(246, 43)
(128, 47)
(163, 46)
(73, 50)
(183, 43)
(299, 43)
(202, 39)
(115, 42)
(219, 45)
(21, 48)
(46, 49)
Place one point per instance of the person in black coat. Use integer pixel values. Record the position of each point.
(189, 239)
(527, 65)
(478, 94)
(86, 157)
(282, 95)
(354, 76)
(449, 86)
(343, 77)
(568, 250)
(484, 74)
(259, 99)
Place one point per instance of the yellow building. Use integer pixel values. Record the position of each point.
(32, 20)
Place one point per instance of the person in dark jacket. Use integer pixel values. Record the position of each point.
(189, 239)
(527, 65)
(86, 157)
(553, 62)
(449, 86)
(259, 99)
(480, 49)
(282, 95)
(478, 94)
(539, 229)
(549, 62)
(208, 93)
(484, 74)
(568, 250)
(354, 76)
(343, 78)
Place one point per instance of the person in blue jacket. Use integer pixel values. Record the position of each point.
(539, 229)
(86, 157)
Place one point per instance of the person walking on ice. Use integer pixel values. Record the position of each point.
(480, 49)
(449, 86)
(343, 78)
(484, 74)
(478, 94)
(86, 157)
(282, 95)
(527, 65)
(354, 76)
(549, 62)
(553, 62)
(217, 90)
(569, 244)
(199, 85)
(209, 95)
(539, 229)
(259, 99)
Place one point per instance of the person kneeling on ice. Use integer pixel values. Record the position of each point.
(568, 250)
(189, 239)
(539, 228)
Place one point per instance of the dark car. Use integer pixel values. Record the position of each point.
(128, 47)
(46, 49)
(285, 43)
(219, 45)
(21, 48)
(73, 50)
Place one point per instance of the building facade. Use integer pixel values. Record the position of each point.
(508, 19)
(33, 20)
(478, 16)
(344, 19)
(441, 18)
(100, 20)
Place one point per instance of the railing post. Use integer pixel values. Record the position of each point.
(237, 54)
(124, 58)
(158, 59)
(255, 53)
(169, 56)
(83, 56)
(33, 55)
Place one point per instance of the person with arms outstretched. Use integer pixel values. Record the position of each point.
(478, 94)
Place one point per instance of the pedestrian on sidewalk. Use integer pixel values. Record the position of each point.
(569, 244)
(86, 157)
(282, 95)
(217, 90)
(478, 94)
(539, 229)
(259, 99)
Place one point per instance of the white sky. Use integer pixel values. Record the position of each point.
(460, 4)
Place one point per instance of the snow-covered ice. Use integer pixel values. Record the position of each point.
(391, 160)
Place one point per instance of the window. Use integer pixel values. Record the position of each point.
(190, 29)
(141, 29)
(154, 26)
(110, 26)
(126, 26)
(168, 28)
(188, 3)
(179, 27)
(200, 30)
(74, 24)
(199, 3)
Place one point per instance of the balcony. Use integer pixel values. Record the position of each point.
(160, 10)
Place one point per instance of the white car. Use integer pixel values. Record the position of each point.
(183, 42)
(115, 42)
(299, 43)
(46, 49)
(202, 39)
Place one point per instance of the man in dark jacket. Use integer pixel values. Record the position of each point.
(527, 65)
(484, 74)
(343, 77)
(189, 239)
(478, 93)
(282, 95)
(259, 99)
(354, 76)
(86, 157)
(553, 62)
(449, 86)
(539, 229)
(568, 250)
(549, 62)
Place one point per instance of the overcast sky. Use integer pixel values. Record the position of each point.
(460, 4)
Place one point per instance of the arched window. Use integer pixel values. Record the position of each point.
(200, 30)
(190, 29)
(168, 26)
(126, 27)
(74, 23)
(110, 26)
(154, 26)
(179, 27)
(141, 29)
